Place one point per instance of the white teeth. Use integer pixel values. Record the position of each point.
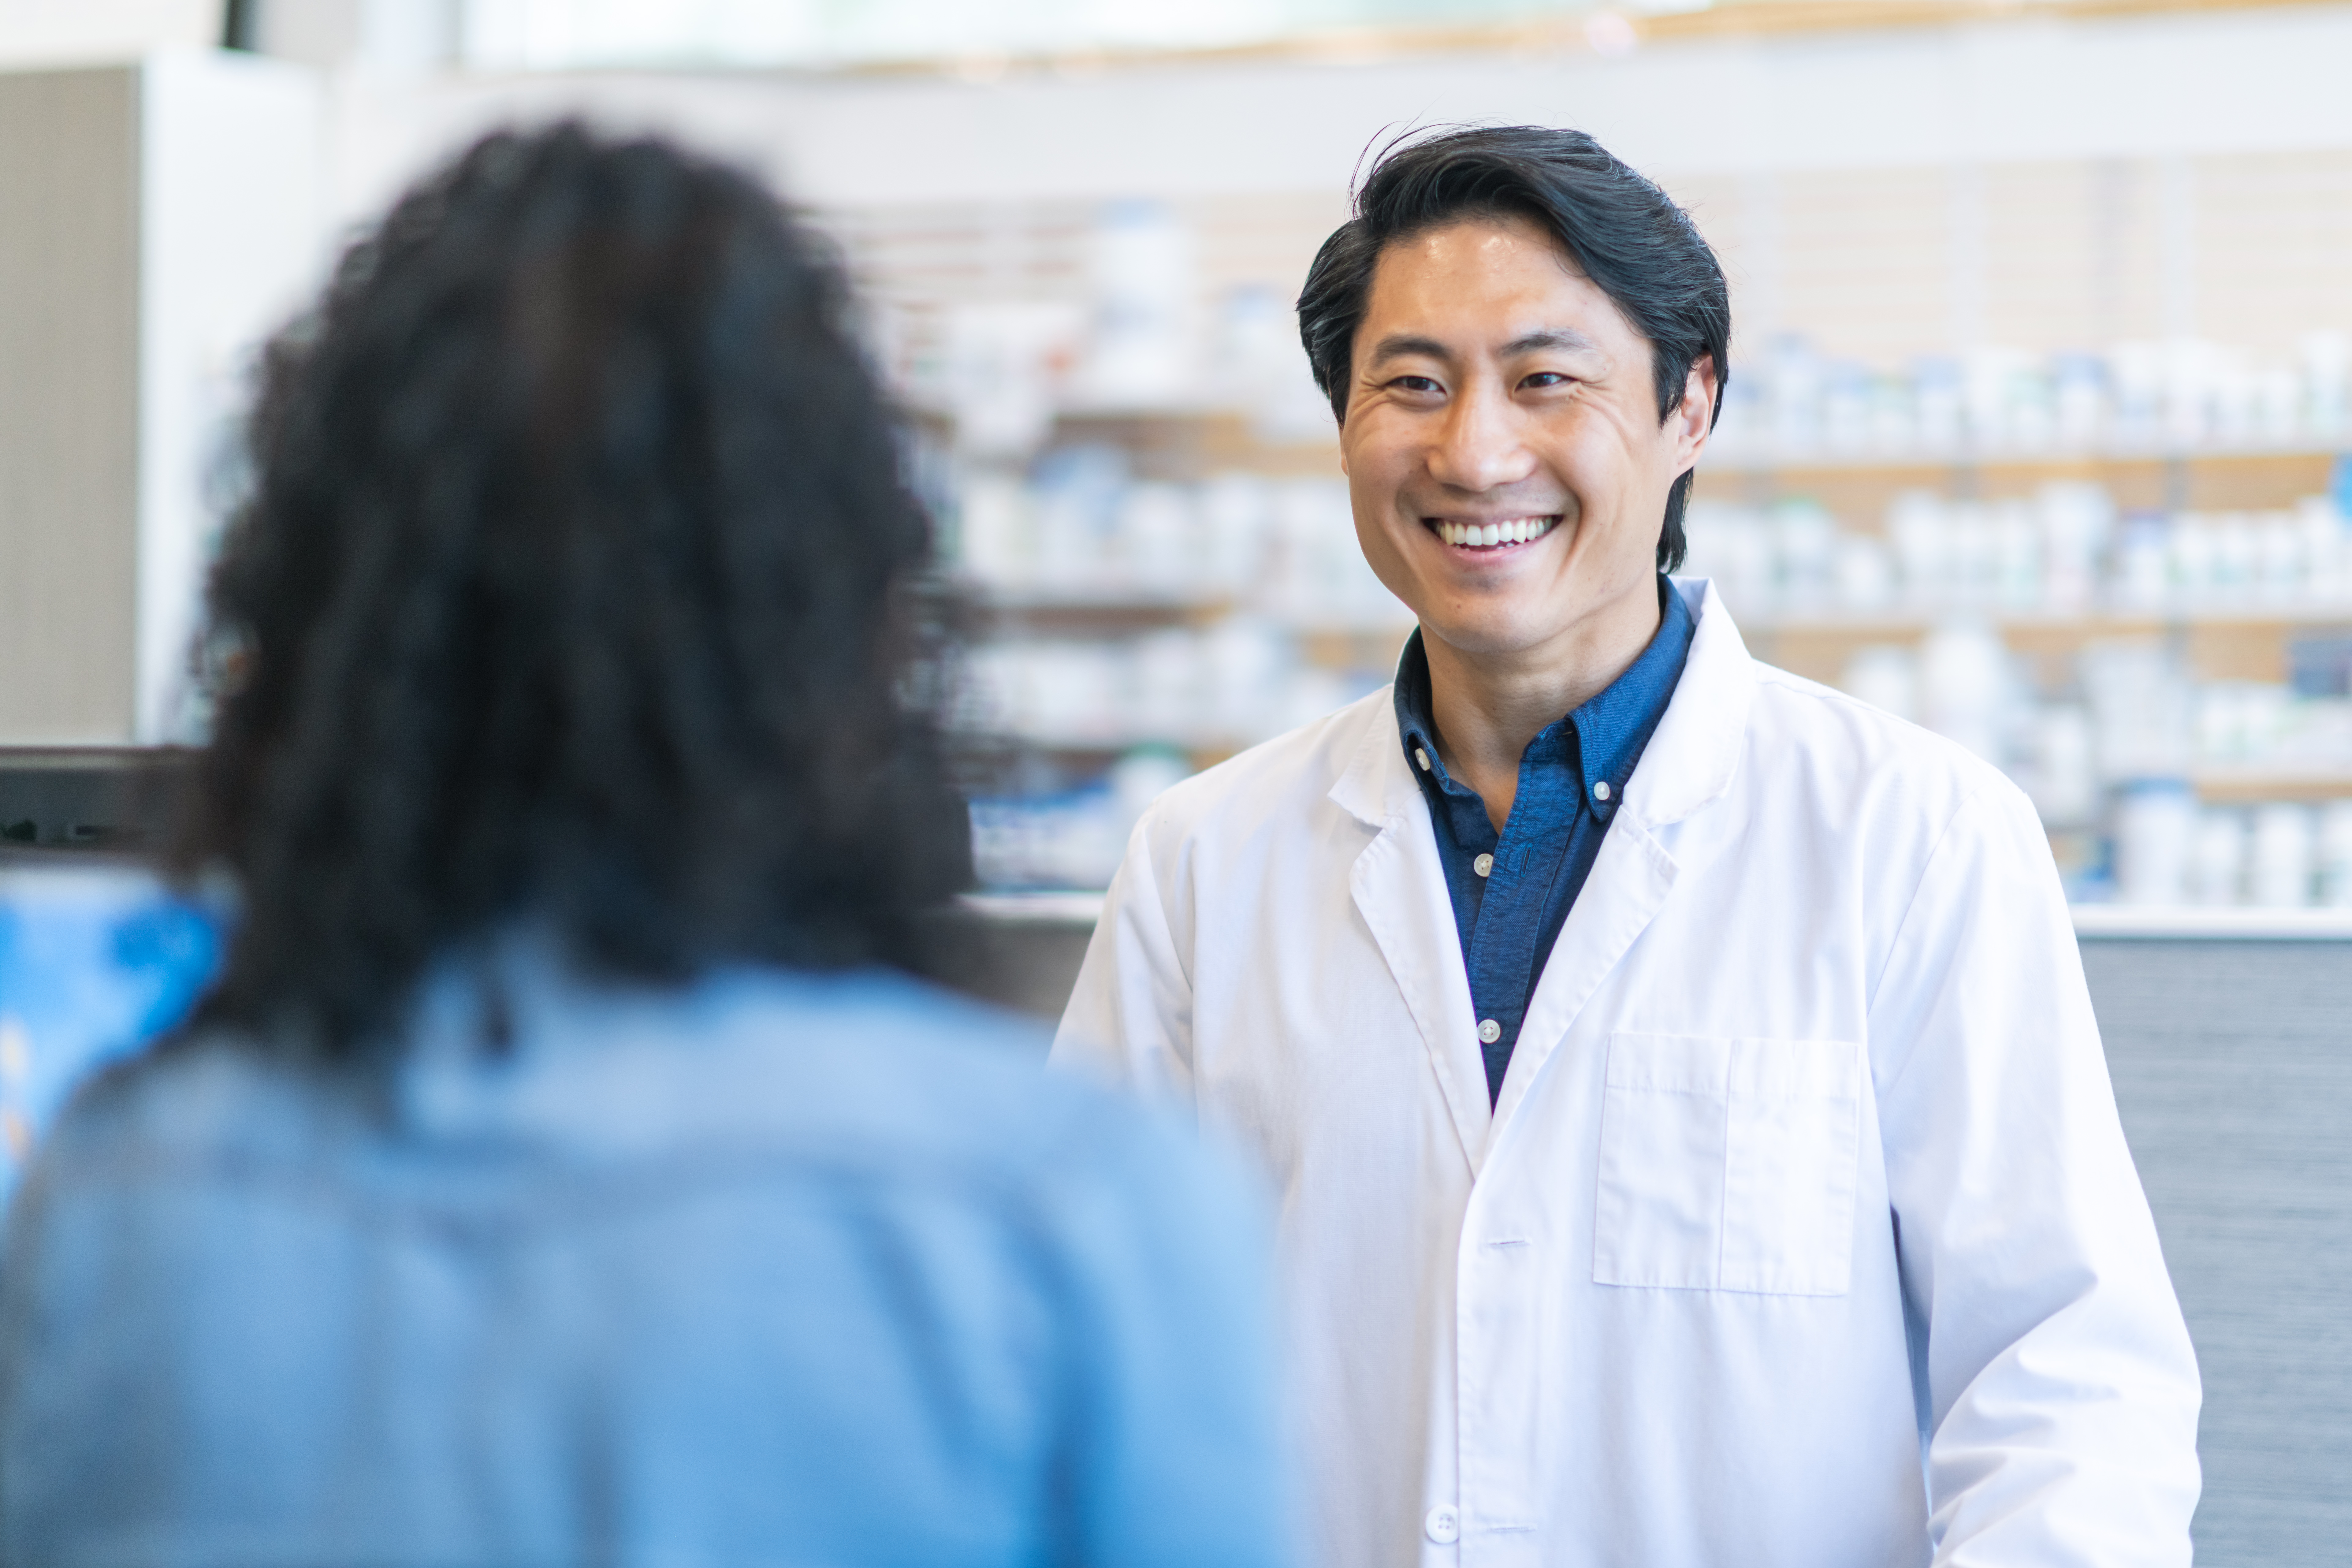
(1486, 535)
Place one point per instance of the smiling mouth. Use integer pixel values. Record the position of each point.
(1500, 533)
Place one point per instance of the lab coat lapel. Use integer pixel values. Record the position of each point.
(1629, 880)
(1398, 888)
(1690, 762)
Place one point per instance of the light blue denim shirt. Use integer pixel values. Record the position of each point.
(776, 1268)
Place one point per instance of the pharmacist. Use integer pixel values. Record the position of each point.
(1677, 1078)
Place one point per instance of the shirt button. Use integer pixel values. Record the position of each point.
(1489, 1030)
(1483, 865)
(1421, 757)
(1600, 790)
(1443, 1525)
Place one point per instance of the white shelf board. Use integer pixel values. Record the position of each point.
(2177, 923)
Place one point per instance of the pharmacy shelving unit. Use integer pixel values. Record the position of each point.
(2242, 639)
(2247, 637)
(1185, 443)
(2221, 640)
(2242, 636)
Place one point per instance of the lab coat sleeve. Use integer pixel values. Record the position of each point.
(2060, 1386)
(1129, 1018)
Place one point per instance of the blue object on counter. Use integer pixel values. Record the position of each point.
(93, 964)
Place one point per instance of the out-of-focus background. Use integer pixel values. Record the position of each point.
(2043, 361)
(2036, 432)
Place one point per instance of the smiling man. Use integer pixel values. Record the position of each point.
(1692, 1135)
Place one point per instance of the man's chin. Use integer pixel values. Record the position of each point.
(1499, 634)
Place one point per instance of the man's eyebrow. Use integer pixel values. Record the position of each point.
(1567, 338)
(1400, 345)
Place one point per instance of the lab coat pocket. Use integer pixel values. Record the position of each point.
(1728, 1165)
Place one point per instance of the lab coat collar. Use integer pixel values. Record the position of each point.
(1399, 887)
(1689, 762)
(1695, 752)
(1375, 787)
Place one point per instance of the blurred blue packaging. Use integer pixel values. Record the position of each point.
(93, 964)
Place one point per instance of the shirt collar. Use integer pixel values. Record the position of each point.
(1610, 728)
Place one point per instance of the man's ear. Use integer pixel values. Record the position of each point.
(1693, 417)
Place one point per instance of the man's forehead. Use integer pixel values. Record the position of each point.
(1416, 290)
(1484, 236)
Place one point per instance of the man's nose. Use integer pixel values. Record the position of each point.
(1481, 444)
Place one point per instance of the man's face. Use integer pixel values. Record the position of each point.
(1496, 388)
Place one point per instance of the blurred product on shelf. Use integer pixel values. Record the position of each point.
(2155, 820)
(1080, 528)
(2183, 395)
(1216, 689)
(2061, 552)
(2280, 854)
(1140, 350)
(1131, 328)
(1074, 838)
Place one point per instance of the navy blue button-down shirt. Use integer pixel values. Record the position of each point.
(1572, 778)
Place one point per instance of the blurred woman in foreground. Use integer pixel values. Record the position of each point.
(559, 1173)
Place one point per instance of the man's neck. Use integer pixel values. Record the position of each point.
(1486, 707)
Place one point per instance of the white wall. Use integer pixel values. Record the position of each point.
(56, 31)
(157, 220)
(231, 240)
(2022, 90)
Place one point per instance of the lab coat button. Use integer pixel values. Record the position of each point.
(1483, 865)
(1489, 1031)
(1443, 1525)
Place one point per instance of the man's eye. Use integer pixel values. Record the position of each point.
(1415, 383)
(1546, 378)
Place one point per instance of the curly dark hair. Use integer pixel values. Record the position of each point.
(578, 582)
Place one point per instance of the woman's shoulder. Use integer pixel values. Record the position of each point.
(884, 1062)
(783, 1081)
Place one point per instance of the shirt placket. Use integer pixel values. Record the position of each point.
(1527, 859)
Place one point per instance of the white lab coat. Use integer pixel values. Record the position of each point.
(1807, 1144)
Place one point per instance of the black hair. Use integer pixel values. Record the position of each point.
(578, 585)
(1621, 230)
